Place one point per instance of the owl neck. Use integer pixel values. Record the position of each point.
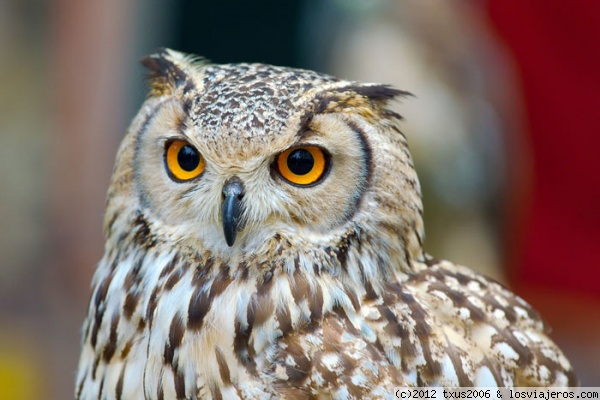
(291, 284)
(358, 256)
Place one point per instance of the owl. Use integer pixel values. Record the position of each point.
(264, 240)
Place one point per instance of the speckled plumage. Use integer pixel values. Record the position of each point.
(326, 292)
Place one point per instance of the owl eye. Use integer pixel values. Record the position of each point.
(183, 161)
(303, 166)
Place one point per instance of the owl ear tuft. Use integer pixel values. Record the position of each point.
(379, 96)
(367, 100)
(377, 92)
(168, 70)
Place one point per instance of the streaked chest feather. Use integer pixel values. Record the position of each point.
(161, 326)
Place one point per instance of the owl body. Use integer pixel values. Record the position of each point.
(264, 240)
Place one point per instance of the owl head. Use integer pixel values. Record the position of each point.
(236, 159)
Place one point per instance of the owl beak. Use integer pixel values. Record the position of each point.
(231, 209)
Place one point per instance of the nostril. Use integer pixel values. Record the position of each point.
(233, 187)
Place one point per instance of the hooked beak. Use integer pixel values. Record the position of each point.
(231, 209)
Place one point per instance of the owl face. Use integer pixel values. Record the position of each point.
(223, 194)
(232, 155)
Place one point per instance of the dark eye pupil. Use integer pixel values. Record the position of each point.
(300, 162)
(188, 158)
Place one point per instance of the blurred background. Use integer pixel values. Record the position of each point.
(504, 128)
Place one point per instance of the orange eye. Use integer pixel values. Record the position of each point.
(302, 165)
(183, 161)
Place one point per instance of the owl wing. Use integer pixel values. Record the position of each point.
(456, 327)
(445, 325)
